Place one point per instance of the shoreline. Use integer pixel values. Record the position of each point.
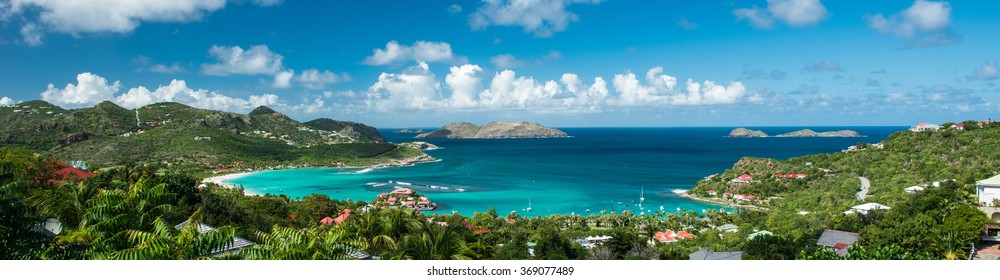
(721, 202)
(223, 179)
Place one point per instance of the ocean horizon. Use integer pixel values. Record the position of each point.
(600, 168)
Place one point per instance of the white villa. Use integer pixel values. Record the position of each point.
(988, 190)
(867, 207)
(925, 127)
(914, 189)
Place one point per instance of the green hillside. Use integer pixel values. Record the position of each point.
(172, 133)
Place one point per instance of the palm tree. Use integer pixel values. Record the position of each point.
(66, 202)
(316, 243)
(163, 243)
(17, 239)
(433, 242)
(376, 231)
(114, 212)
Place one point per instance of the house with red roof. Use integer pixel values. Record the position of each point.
(64, 172)
(346, 213)
(745, 178)
(727, 195)
(925, 127)
(670, 236)
(326, 221)
(403, 191)
(711, 192)
(664, 237)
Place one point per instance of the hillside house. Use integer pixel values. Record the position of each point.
(925, 127)
(866, 208)
(840, 241)
(745, 178)
(706, 254)
(988, 190)
(233, 247)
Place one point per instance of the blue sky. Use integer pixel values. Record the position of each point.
(559, 62)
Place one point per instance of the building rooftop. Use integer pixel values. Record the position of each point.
(991, 182)
(709, 254)
(231, 247)
(839, 240)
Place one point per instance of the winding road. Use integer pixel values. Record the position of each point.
(865, 184)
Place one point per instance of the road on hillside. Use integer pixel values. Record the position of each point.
(865, 184)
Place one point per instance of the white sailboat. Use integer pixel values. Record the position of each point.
(529, 205)
(642, 197)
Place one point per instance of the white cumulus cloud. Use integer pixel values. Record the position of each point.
(795, 13)
(925, 23)
(31, 35)
(543, 18)
(987, 71)
(77, 17)
(506, 61)
(178, 91)
(89, 90)
(465, 83)
(235, 60)
(283, 79)
(417, 89)
(314, 79)
(420, 51)
(6, 101)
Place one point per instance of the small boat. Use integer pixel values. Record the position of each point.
(642, 197)
(529, 205)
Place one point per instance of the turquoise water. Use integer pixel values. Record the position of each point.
(596, 169)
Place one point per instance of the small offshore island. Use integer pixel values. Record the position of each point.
(494, 130)
(746, 133)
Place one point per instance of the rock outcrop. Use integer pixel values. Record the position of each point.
(464, 130)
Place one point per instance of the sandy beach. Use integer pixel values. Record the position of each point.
(720, 202)
(223, 180)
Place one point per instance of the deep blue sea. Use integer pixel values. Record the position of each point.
(596, 169)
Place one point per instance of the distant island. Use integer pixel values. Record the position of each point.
(464, 130)
(746, 133)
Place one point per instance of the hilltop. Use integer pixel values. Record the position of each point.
(495, 130)
(174, 133)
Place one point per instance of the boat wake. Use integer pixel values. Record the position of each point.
(679, 191)
(437, 188)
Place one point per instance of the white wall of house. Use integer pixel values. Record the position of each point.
(987, 194)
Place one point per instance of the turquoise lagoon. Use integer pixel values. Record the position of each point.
(596, 169)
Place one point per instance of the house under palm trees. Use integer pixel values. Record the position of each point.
(232, 247)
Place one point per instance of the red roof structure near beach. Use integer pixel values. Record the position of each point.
(343, 216)
(403, 191)
(66, 172)
(746, 177)
(326, 221)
